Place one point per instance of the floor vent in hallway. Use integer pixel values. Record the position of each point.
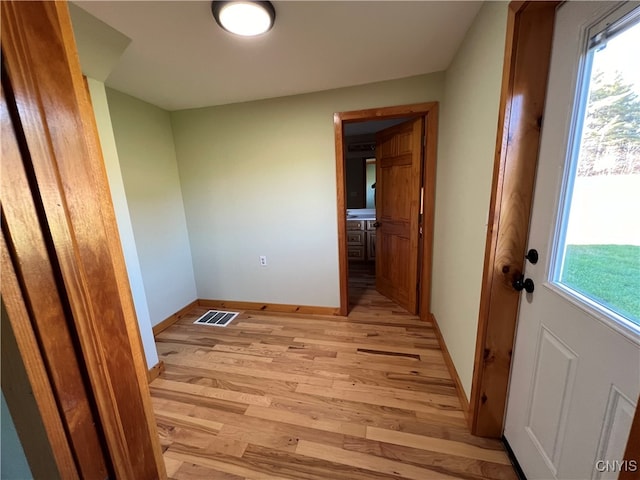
(216, 318)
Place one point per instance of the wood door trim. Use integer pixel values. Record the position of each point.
(464, 401)
(430, 111)
(170, 320)
(524, 80)
(155, 371)
(69, 176)
(36, 372)
(268, 307)
(28, 246)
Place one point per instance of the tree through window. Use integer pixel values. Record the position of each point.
(599, 249)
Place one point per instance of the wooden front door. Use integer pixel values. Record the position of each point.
(64, 283)
(399, 179)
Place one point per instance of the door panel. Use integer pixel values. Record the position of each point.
(553, 380)
(615, 431)
(575, 377)
(398, 164)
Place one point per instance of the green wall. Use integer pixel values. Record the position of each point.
(468, 126)
(259, 178)
(146, 152)
(125, 229)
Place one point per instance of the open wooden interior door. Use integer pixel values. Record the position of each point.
(64, 285)
(399, 179)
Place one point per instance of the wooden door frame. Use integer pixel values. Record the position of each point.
(429, 111)
(524, 84)
(59, 148)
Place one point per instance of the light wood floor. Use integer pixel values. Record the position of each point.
(283, 396)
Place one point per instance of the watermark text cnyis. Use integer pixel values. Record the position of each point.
(617, 466)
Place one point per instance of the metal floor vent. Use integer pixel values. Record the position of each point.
(217, 318)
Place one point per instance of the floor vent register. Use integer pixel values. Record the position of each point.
(216, 318)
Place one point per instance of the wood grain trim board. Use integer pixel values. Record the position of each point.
(269, 307)
(451, 367)
(167, 322)
(155, 371)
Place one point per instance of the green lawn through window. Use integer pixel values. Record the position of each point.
(609, 274)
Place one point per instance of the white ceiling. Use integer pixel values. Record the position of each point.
(179, 58)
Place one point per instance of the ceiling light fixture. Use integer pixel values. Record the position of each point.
(244, 18)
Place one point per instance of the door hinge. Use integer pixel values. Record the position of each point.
(424, 139)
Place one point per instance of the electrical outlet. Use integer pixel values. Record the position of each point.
(263, 260)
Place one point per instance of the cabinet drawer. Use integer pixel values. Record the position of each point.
(355, 225)
(370, 225)
(355, 253)
(355, 237)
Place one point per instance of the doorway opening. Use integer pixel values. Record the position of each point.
(360, 189)
(364, 245)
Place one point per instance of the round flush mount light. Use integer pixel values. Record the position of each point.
(244, 18)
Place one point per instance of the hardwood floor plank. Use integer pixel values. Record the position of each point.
(340, 410)
(415, 383)
(220, 463)
(327, 425)
(302, 467)
(257, 349)
(170, 435)
(239, 383)
(366, 461)
(442, 401)
(166, 349)
(221, 445)
(274, 434)
(458, 467)
(364, 397)
(214, 404)
(266, 372)
(197, 424)
(392, 364)
(172, 465)
(411, 352)
(209, 392)
(284, 396)
(394, 354)
(190, 471)
(436, 445)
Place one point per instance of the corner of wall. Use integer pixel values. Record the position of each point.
(466, 149)
(114, 175)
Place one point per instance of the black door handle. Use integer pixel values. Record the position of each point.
(532, 256)
(377, 224)
(520, 283)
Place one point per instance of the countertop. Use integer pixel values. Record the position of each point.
(361, 214)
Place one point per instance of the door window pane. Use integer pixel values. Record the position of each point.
(598, 255)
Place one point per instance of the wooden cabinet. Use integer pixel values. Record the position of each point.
(361, 240)
(355, 253)
(356, 237)
(371, 246)
(356, 224)
(356, 240)
(371, 240)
